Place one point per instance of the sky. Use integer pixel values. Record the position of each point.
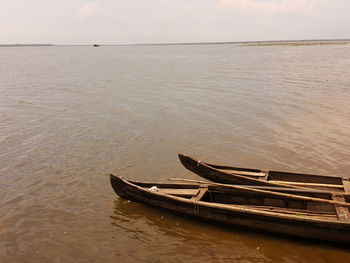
(171, 21)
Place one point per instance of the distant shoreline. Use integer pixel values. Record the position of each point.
(308, 42)
(26, 45)
(305, 43)
(267, 42)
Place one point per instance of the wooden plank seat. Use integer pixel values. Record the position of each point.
(179, 192)
(231, 171)
(342, 212)
(346, 183)
(202, 191)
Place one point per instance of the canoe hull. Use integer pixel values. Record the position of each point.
(321, 230)
(215, 175)
(219, 174)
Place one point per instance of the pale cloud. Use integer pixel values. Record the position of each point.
(269, 6)
(88, 9)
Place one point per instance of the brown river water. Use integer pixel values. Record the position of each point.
(71, 115)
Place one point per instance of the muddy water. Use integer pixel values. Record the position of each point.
(71, 115)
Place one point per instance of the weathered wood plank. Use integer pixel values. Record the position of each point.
(346, 183)
(201, 193)
(295, 211)
(232, 171)
(308, 184)
(179, 192)
(342, 212)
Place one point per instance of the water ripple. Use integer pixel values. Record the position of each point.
(71, 115)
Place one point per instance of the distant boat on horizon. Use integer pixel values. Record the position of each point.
(96, 45)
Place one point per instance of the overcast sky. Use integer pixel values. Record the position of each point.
(161, 21)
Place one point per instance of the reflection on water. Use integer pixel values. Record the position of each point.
(71, 115)
(185, 237)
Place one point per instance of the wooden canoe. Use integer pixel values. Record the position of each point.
(246, 176)
(252, 207)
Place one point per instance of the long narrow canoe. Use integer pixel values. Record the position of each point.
(252, 207)
(246, 176)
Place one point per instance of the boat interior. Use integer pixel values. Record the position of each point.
(284, 177)
(257, 198)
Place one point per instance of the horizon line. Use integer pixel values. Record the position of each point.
(180, 43)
